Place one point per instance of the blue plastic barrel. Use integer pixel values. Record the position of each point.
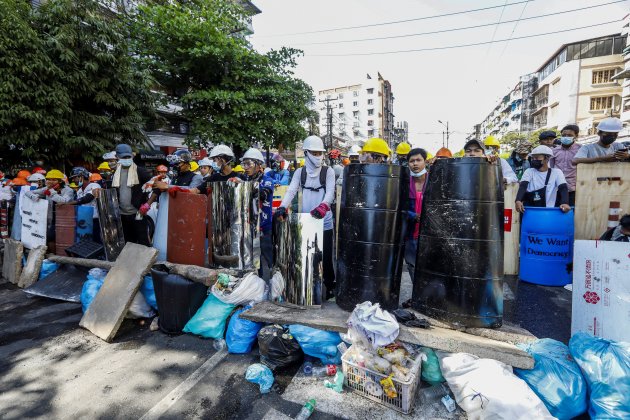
(546, 246)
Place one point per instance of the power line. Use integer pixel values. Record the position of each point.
(458, 28)
(494, 33)
(393, 22)
(448, 47)
(513, 29)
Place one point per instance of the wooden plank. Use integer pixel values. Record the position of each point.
(12, 261)
(83, 262)
(593, 196)
(512, 231)
(109, 307)
(30, 272)
(332, 318)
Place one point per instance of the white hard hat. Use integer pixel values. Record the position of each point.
(36, 177)
(253, 154)
(354, 150)
(542, 150)
(610, 125)
(109, 156)
(205, 162)
(221, 150)
(313, 144)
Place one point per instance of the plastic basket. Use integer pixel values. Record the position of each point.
(367, 383)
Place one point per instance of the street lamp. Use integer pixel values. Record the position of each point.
(447, 132)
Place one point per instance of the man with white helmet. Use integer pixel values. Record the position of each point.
(353, 154)
(541, 185)
(317, 184)
(111, 159)
(205, 168)
(37, 180)
(605, 150)
(222, 159)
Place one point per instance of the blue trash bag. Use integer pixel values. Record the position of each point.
(92, 285)
(555, 378)
(241, 333)
(430, 368)
(261, 375)
(318, 343)
(147, 290)
(605, 365)
(210, 319)
(48, 267)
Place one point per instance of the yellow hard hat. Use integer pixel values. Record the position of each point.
(194, 166)
(403, 149)
(73, 185)
(55, 174)
(429, 155)
(491, 141)
(104, 167)
(376, 145)
(239, 169)
(301, 162)
(459, 154)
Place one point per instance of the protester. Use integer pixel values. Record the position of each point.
(39, 170)
(222, 159)
(621, 233)
(541, 185)
(402, 151)
(55, 189)
(205, 168)
(606, 149)
(353, 154)
(36, 180)
(6, 193)
(443, 153)
(106, 174)
(563, 156)
(24, 174)
(111, 158)
(86, 194)
(128, 180)
(474, 148)
(317, 185)
(280, 176)
(375, 150)
(546, 138)
(96, 178)
(417, 161)
(518, 160)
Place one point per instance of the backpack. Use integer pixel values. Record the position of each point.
(322, 179)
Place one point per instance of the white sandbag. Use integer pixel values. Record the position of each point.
(246, 291)
(487, 389)
(139, 308)
(276, 286)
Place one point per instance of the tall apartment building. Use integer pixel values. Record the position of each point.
(401, 133)
(358, 112)
(624, 77)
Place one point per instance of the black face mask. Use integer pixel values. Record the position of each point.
(537, 164)
(608, 139)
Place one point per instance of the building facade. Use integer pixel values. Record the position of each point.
(358, 112)
(624, 77)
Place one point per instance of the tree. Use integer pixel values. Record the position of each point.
(69, 71)
(515, 138)
(229, 92)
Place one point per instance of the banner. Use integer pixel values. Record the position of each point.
(34, 219)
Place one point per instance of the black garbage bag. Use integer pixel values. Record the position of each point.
(410, 319)
(277, 347)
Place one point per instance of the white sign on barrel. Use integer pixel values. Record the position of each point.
(34, 219)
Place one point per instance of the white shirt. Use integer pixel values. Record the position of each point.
(537, 179)
(508, 173)
(312, 199)
(90, 189)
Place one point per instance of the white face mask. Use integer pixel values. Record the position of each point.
(125, 162)
(315, 160)
(419, 174)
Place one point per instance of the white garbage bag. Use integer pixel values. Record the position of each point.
(241, 291)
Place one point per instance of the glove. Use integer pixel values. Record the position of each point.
(281, 213)
(234, 181)
(144, 209)
(174, 190)
(320, 211)
(48, 192)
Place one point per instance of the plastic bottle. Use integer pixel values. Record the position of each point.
(310, 370)
(432, 394)
(219, 344)
(307, 410)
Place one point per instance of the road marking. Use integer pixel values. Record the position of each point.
(167, 402)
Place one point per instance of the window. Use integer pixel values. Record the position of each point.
(341, 96)
(370, 123)
(340, 105)
(370, 112)
(355, 124)
(355, 93)
(370, 133)
(370, 101)
(601, 103)
(342, 115)
(370, 91)
(355, 103)
(602, 76)
(355, 113)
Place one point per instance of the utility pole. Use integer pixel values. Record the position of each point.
(329, 122)
(448, 133)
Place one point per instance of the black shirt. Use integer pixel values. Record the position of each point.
(219, 177)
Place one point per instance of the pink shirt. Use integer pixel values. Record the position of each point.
(418, 203)
(562, 159)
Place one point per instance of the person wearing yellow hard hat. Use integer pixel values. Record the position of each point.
(474, 148)
(401, 153)
(55, 189)
(106, 173)
(375, 150)
(239, 169)
(194, 167)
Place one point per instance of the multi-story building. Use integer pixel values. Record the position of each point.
(624, 77)
(401, 133)
(358, 112)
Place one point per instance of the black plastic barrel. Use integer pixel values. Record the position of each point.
(459, 265)
(178, 299)
(371, 235)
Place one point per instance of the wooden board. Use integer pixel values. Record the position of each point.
(187, 229)
(109, 307)
(511, 233)
(12, 261)
(331, 318)
(209, 249)
(593, 196)
(30, 272)
(65, 227)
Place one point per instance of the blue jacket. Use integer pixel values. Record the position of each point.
(282, 177)
(265, 197)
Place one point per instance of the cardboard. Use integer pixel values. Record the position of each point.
(601, 289)
(34, 222)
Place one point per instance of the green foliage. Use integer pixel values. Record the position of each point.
(514, 138)
(229, 92)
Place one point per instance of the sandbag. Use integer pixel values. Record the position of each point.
(240, 291)
(430, 368)
(555, 378)
(210, 319)
(605, 365)
(318, 343)
(148, 291)
(139, 308)
(278, 348)
(241, 333)
(487, 389)
(48, 267)
(92, 285)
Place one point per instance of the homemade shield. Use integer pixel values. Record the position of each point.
(161, 228)
(65, 225)
(85, 222)
(111, 225)
(298, 255)
(34, 221)
(234, 225)
(186, 229)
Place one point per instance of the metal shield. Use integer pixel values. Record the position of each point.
(111, 225)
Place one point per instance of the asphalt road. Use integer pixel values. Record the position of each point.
(49, 367)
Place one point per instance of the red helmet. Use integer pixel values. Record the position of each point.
(161, 168)
(334, 154)
(39, 170)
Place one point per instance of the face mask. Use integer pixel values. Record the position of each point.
(537, 164)
(34, 184)
(608, 139)
(80, 183)
(315, 160)
(125, 162)
(566, 141)
(215, 166)
(419, 174)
